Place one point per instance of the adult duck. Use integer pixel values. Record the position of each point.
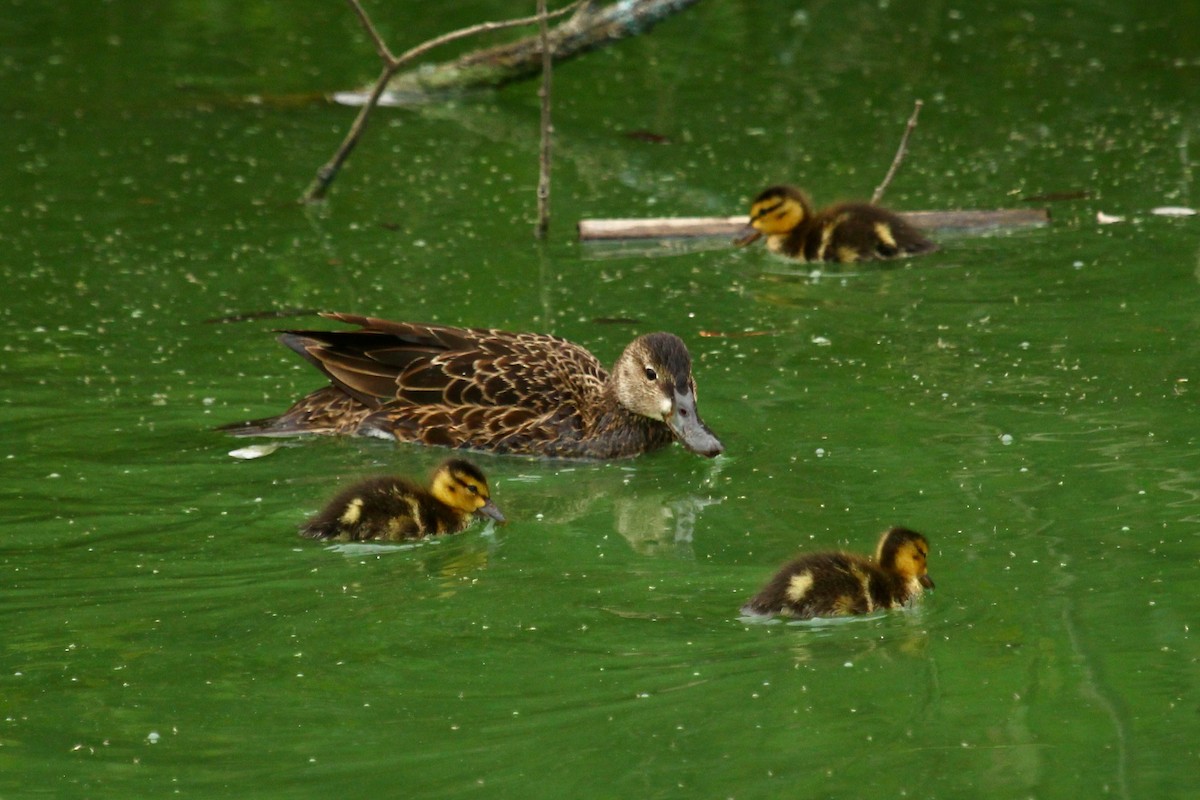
(492, 390)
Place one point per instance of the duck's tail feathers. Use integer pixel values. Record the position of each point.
(267, 426)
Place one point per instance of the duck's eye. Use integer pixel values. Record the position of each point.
(472, 488)
(651, 375)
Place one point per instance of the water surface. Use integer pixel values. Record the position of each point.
(1027, 399)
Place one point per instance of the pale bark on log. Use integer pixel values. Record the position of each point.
(591, 27)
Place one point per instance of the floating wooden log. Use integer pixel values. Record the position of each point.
(672, 227)
(661, 228)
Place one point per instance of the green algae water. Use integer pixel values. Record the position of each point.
(1026, 398)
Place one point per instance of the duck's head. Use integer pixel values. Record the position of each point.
(905, 553)
(460, 485)
(776, 212)
(653, 378)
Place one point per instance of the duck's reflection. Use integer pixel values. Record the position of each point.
(655, 512)
(659, 525)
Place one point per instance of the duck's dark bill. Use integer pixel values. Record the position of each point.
(926, 581)
(690, 430)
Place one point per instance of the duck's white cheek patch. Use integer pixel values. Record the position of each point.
(666, 406)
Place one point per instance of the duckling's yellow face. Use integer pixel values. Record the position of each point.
(906, 553)
(778, 212)
(460, 485)
(912, 562)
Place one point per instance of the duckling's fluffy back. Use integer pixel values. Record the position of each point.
(385, 508)
(838, 584)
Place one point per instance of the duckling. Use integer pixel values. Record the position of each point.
(492, 390)
(390, 508)
(841, 584)
(843, 233)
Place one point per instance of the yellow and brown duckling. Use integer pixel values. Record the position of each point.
(840, 584)
(842, 233)
(393, 509)
(493, 390)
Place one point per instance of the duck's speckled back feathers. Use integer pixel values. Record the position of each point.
(492, 390)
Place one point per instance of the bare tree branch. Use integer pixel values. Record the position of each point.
(380, 46)
(543, 187)
(900, 153)
(391, 64)
(594, 26)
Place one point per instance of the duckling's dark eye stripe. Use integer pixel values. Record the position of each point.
(468, 485)
(762, 212)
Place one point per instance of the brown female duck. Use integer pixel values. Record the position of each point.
(842, 233)
(390, 508)
(493, 390)
(840, 584)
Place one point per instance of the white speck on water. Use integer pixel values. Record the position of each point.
(254, 451)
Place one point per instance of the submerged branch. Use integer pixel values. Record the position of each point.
(543, 187)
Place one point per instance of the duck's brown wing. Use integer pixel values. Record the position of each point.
(386, 364)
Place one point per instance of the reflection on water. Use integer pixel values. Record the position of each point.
(656, 526)
(653, 520)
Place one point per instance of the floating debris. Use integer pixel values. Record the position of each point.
(1174, 211)
(1057, 197)
(736, 334)
(254, 451)
(616, 321)
(647, 136)
(1107, 219)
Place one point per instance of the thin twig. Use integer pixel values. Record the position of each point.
(482, 27)
(380, 46)
(543, 186)
(391, 65)
(900, 153)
